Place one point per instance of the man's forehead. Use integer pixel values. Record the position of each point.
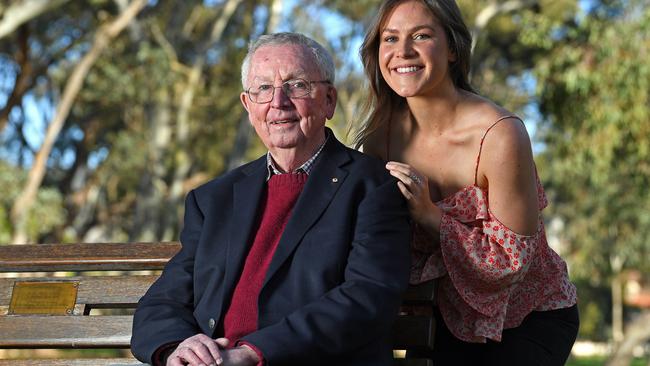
(269, 77)
(289, 61)
(286, 49)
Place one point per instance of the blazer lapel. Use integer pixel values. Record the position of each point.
(247, 194)
(322, 184)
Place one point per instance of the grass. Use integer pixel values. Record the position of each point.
(600, 361)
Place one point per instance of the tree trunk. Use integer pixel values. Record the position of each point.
(617, 310)
(244, 131)
(182, 160)
(488, 13)
(22, 11)
(350, 102)
(495, 8)
(24, 79)
(277, 6)
(242, 140)
(616, 262)
(153, 188)
(637, 334)
(25, 200)
(30, 71)
(86, 211)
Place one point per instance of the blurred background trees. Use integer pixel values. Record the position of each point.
(593, 91)
(111, 110)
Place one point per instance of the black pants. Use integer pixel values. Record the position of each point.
(544, 338)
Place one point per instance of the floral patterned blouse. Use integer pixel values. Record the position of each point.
(489, 277)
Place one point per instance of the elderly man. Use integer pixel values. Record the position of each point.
(297, 258)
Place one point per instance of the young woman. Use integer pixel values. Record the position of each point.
(466, 168)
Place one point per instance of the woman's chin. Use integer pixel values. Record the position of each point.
(406, 93)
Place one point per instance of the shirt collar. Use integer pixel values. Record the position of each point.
(306, 167)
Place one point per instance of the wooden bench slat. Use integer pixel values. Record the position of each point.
(65, 331)
(99, 290)
(72, 362)
(412, 362)
(86, 257)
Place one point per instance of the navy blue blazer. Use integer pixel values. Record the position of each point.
(334, 284)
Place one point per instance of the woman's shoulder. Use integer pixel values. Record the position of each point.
(493, 122)
(500, 136)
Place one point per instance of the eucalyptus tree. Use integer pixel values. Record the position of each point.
(593, 89)
(147, 112)
(45, 41)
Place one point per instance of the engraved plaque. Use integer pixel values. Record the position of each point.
(51, 298)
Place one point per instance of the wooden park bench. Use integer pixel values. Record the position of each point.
(82, 296)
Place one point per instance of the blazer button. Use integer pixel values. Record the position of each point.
(211, 323)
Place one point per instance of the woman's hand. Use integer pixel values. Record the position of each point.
(415, 188)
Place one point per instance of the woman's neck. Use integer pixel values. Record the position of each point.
(435, 112)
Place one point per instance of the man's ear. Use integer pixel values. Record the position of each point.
(330, 100)
(244, 100)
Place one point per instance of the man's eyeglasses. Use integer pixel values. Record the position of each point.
(294, 88)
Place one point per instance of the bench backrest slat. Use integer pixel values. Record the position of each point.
(86, 257)
(71, 362)
(410, 362)
(96, 290)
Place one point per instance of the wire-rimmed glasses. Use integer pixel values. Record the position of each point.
(294, 88)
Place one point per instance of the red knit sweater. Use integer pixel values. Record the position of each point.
(281, 195)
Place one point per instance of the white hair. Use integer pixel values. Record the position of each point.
(323, 58)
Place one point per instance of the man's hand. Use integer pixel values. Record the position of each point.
(199, 350)
(240, 356)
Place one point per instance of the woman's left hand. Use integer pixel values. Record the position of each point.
(415, 188)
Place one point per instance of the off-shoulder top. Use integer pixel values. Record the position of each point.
(489, 277)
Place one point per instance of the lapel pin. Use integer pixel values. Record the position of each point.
(335, 180)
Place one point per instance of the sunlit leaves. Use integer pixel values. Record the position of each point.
(47, 213)
(594, 91)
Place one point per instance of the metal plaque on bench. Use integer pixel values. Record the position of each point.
(40, 297)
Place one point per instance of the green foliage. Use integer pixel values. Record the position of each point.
(500, 59)
(358, 10)
(47, 214)
(599, 361)
(593, 89)
(594, 305)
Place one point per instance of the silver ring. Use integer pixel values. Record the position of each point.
(414, 177)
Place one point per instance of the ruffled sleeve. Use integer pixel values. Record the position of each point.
(489, 277)
(484, 261)
(481, 256)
